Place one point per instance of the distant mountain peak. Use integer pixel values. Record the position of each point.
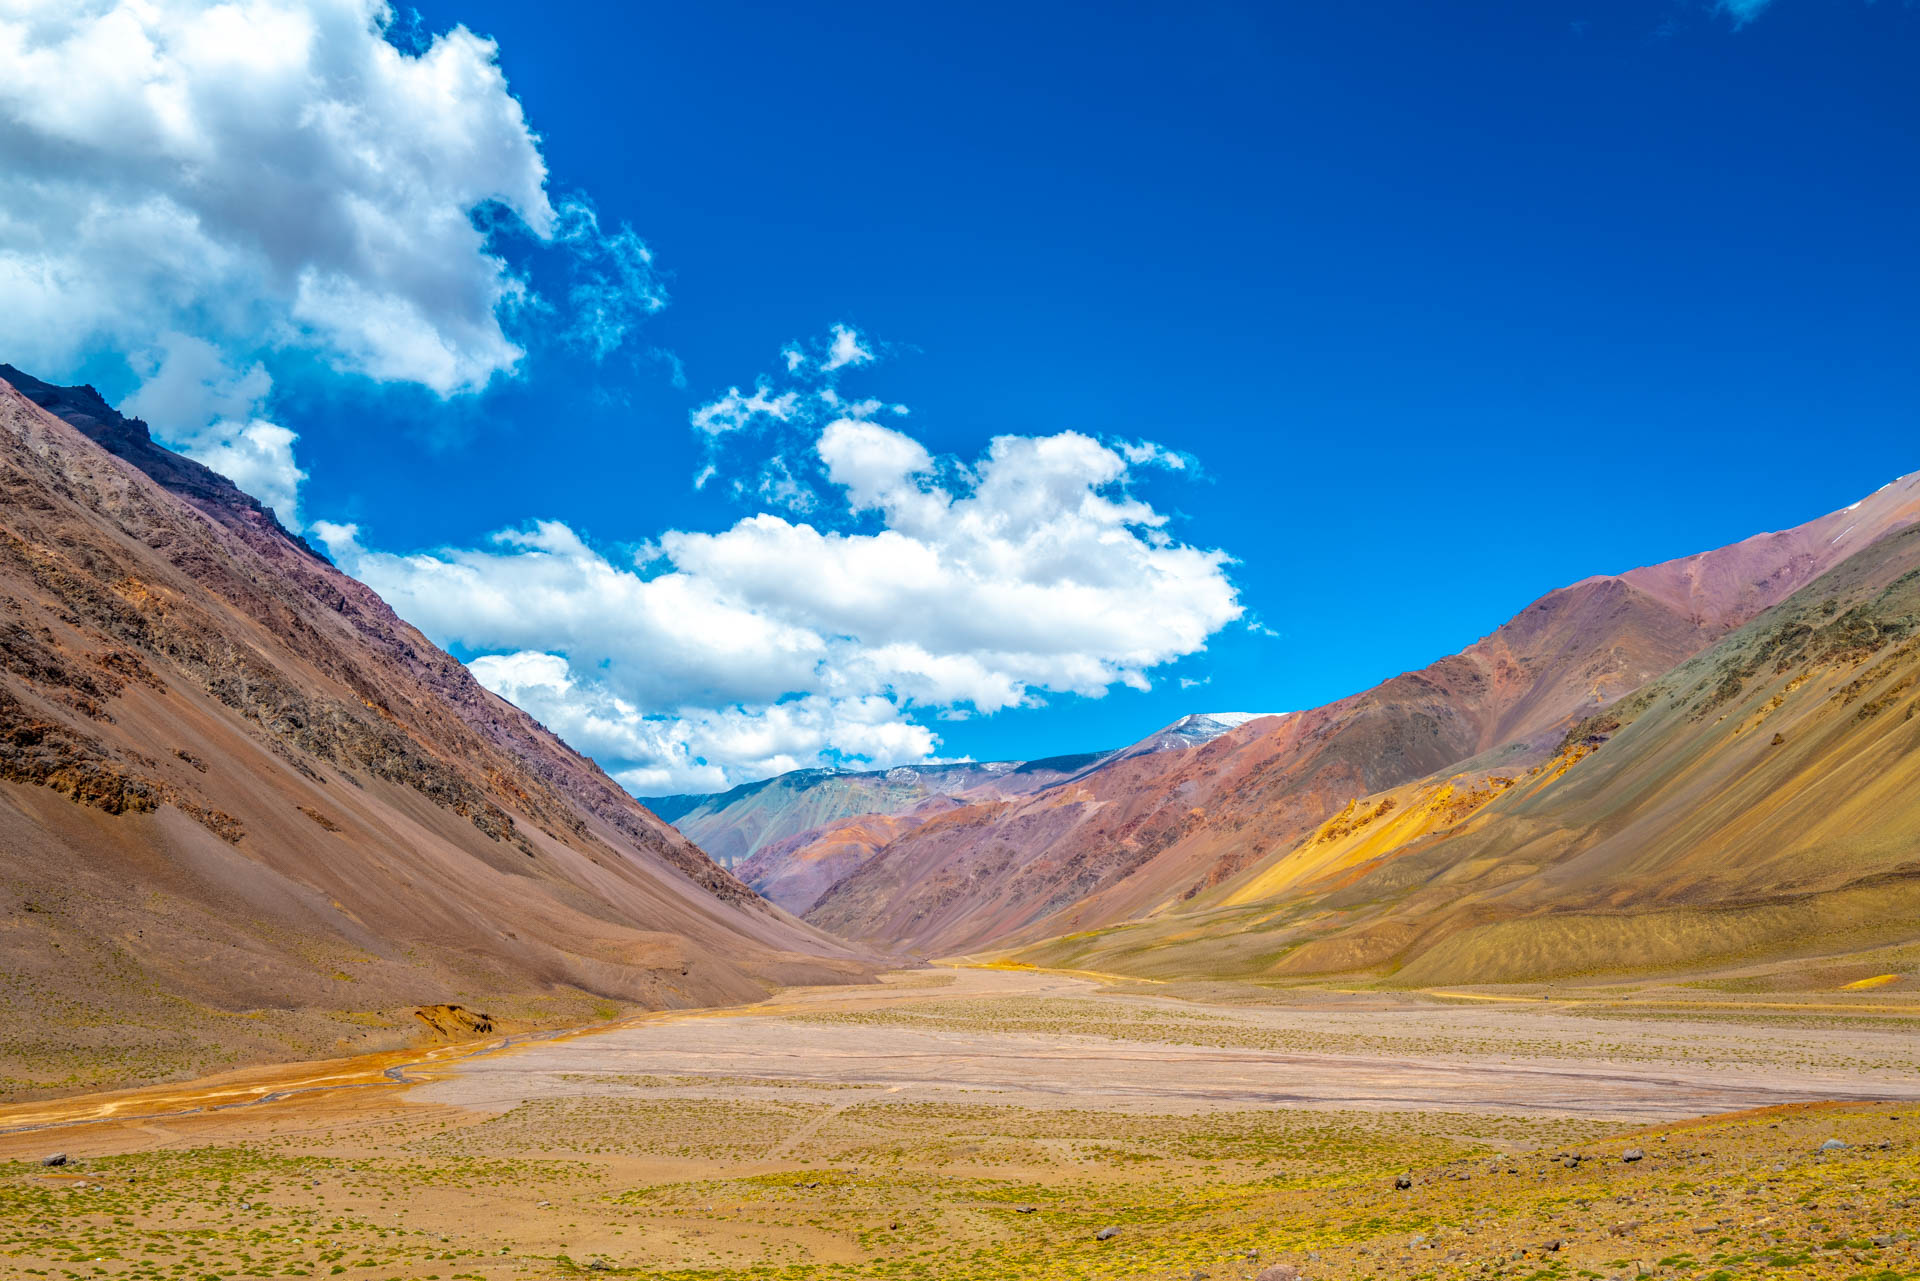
(1231, 720)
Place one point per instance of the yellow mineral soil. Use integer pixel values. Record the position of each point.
(1372, 828)
(1878, 980)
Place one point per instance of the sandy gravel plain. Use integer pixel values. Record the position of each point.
(959, 1123)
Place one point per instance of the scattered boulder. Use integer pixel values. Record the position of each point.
(58, 1158)
(1279, 1272)
(1832, 1145)
(1106, 1234)
(1403, 1183)
(1633, 1154)
(1553, 1246)
(1025, 1209)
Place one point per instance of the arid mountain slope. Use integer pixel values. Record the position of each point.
(796, 872)
(1760, 801)
(248, 813)
(1152, 833)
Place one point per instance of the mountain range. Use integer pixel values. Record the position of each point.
(795, 836)
(1191, 862)
(248, 813)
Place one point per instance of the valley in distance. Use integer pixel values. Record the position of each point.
(1592, 950)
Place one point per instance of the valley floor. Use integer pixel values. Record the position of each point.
(992, 1123)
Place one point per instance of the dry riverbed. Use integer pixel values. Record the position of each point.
(993, 1124)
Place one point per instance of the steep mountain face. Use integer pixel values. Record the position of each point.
(1164, 829)
(1762, 800)
(248, 813)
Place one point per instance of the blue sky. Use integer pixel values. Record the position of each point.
(1441, 306)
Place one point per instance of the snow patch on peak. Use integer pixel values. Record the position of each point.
(1233, 720)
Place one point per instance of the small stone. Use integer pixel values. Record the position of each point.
(1832, 1145)
(1106, 1234)
(1403, 1183)
(1552, 1246)
(1882, 1240)
(1025, 1209)
(1279, 1272)
(58, 1158)
(1633, 1154)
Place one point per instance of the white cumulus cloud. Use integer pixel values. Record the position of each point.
(275, 176)
(259, 164)
(258, 457)
(215, 413)
(776, 643)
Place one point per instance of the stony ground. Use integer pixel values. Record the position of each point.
(996, 1125)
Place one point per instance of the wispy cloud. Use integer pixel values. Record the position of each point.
(846, 348)
(1742, 11)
